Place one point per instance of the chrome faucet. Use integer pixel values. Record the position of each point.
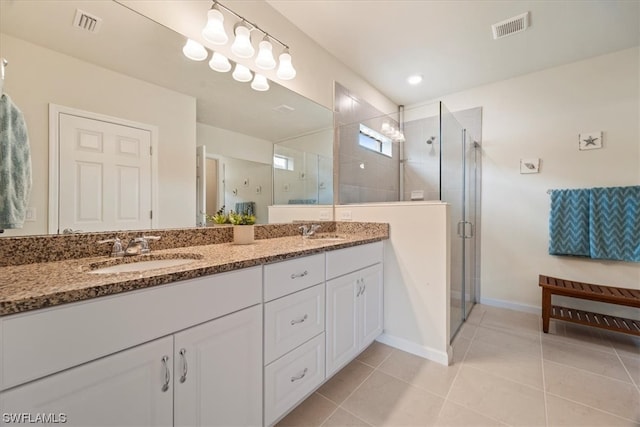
(309, 231)
(139, 245)
(116, 250)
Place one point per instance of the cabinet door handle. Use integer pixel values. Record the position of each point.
(300, 320)
(167, 373)
(300, 375)
(296, 275)
(360, 283)
(185, 367)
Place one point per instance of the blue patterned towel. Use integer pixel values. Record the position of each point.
(569, 222)
(615, 223)
(246, 208)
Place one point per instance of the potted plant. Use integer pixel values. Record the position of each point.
(243, 233)
(219, 218)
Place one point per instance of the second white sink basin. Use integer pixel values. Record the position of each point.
(141, 266)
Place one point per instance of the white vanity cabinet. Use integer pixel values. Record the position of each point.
(191, 370)
(354, 302)
(132, 387)
(294, 325)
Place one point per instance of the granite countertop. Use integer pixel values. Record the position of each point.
(39, 285)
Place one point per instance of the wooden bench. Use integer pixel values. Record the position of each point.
(609, 294)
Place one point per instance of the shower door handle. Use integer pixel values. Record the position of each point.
(461, 230)
(470, 230)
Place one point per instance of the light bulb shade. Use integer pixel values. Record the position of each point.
(285, 69)
(219, 63)
(214, 30)
(265, 59)
(260, 83)
(195, 51)
(242, 73)
(242, 47)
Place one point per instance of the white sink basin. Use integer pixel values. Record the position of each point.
(140, 266)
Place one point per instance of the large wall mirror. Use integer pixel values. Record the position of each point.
(132, 69)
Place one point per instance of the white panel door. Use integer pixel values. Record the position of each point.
(218, 371)
(130, 388)
(105, 175)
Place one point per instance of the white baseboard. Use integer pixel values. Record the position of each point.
(444, 358)
(511, 305)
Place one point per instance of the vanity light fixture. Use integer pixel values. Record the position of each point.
(214, 30)
(286, 70)
(242, 74)
(242, 47)
(260, 83)
(265, 59)
(195, 51)
(219, 63)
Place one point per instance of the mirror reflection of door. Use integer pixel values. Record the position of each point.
(206, 186)
(104, 175)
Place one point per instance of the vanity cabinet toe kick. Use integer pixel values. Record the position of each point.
(192, 351)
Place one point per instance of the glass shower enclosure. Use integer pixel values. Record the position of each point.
(435, 159)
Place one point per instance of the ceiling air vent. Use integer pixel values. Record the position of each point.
(86, 21)
(510, 26)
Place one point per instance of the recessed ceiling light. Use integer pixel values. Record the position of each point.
(415, 79)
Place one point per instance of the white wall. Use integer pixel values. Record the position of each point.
(39, 76)
(227, 143)
(541, 115)
(416, 274)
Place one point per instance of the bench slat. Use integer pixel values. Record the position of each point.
(603, 321)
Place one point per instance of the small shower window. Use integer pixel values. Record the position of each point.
(374, 141)
(282, 162)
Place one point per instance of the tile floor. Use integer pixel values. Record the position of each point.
(505, 372)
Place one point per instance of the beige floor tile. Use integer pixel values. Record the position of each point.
(312, 412)
(342, 384)
(467, 330)
(342, 418)
(510, 340)
(375, 354)
(475, 317)
(633, 367)
(383, 400)
(607, 394)
(420, 372)
(624, 344)
(562, 412)
(579, 335)
(582, 357)
(460, 346)
(498, 398)
(519, 366)
(454, 415)
(510, 319)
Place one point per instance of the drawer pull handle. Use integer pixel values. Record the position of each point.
(185, 367)
(300, 375)
(300, 320)
(296, 275)
(167, 374)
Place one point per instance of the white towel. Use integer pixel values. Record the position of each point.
(15, 165)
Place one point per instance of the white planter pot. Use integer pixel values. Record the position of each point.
(243, 234)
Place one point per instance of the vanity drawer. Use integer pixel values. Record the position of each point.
(345, 261)
(286, 277)
(289, 379)
(292, 320)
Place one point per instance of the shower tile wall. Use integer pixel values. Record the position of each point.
(365, 176)
(422, 160)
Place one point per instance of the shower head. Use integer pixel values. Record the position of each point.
(430, 140)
